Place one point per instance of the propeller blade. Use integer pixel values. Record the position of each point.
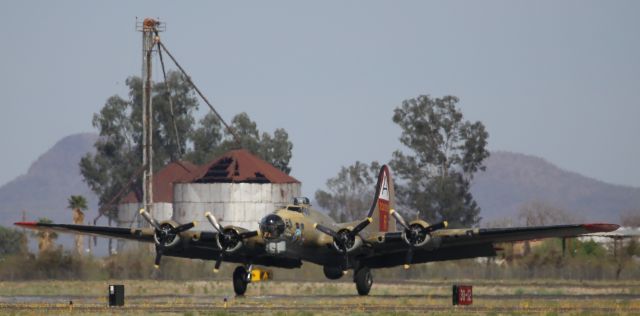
(361, 226)
(184, 227)
(437, 226)
(216, 268)
(346, 263)
(149, 219)
(326, 230)
(214, 222)
(409, 258)
(248, 234)
(159, 252)
(399, 219)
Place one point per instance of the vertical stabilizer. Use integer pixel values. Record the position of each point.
(383, 203)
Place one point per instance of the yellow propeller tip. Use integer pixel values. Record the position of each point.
(195, 223)
(207, 214)
(215, 270)
(315, 225)
(141, 211)
(392, 211)
(406, 267)
(370, 219)
(156, 266)
(344, 272)
(446, 224)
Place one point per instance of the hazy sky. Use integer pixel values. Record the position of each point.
(556, 79)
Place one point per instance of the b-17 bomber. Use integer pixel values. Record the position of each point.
(297, 233)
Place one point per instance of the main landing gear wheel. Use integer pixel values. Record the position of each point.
(240, 280)
(363, 280)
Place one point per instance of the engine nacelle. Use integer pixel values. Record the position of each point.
(332, 272)
(230, 239)
(350, 244)
(417, 236)
(171, 238)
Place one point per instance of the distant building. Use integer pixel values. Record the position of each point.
(163, 181)
(238, 188)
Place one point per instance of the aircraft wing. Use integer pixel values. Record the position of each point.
(496, 235)
(449, 244)
(193, 244)
(139, 234)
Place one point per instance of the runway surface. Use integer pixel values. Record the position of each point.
(333, 304)
(332, 298)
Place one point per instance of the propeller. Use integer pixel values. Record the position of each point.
(415, 234)
(229, 240)
(165, 234)
(345, 239)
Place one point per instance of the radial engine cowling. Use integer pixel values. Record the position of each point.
(345, 240)
(417, 235)
(167, 236)
(230, 240)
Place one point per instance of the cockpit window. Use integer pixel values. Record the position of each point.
(295, 209)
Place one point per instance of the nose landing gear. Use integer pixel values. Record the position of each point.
(241, 278)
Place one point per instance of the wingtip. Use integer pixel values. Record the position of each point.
(600, 227)
(26, 224)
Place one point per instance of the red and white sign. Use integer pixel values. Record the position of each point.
(464, 295)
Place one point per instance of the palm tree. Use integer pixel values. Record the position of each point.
(45, 238)
(78, 203)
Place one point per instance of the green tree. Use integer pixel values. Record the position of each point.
(210, 141)
(12, 242)
(206, 140)
(443, 153)
(118, 153)
(350, 193)
(118, 150)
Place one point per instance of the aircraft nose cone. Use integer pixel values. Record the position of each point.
(272, 226)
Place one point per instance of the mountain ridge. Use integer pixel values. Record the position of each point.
(506, 185)
(511, 179)
(44, 189)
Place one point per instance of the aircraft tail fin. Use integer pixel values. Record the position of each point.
(383, 203)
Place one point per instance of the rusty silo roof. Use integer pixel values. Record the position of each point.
(241, 166)
(163, 180)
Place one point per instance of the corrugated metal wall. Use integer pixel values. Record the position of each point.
(128, 212)
(240, 204)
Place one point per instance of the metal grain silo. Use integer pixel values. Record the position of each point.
(238, 188)
(163, 180)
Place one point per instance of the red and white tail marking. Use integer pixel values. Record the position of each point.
(383, 203)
